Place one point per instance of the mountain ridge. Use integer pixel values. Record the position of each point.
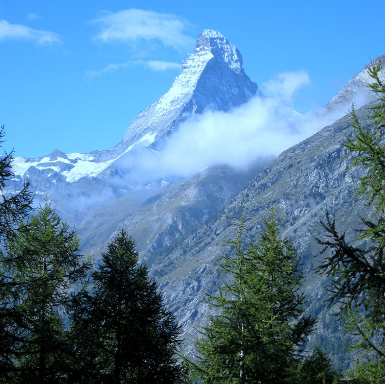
(356, 90)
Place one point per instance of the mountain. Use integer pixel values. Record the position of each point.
(304, 182)
(182, 230)
(181, 224)
(356, 90)
(211, 79)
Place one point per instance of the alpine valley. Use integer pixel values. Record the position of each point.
(181, 221)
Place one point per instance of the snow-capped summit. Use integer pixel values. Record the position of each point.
(217, 44)
(211, 78)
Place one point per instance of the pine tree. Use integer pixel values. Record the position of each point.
(358, 273)
(13, 209)
(42, 265)
(124, 333)
(261, 326)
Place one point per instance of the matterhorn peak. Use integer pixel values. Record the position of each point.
(212, 78)
(218, 45)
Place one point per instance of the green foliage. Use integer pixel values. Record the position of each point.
(358, 274)
(367, 373)
(314, 369)
(123, 332)
(261, 327)
(39, 268)
(368, 148)
(13, 208)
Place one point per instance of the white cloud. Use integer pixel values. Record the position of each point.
(260, 129)
(154, 65)
(285, 85)
(14, 31)
(134, 25)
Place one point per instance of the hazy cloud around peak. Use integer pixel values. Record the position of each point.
(284, 85)
(260, 129)
(133, 25)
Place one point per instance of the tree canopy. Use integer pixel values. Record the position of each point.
(123, 331)
(40, 267)
(357, 268)
(261, 325)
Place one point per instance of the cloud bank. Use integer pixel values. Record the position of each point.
(260, 129)
(133, 25)
(285, 85)
(20, 32)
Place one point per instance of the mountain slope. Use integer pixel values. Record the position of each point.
(301, 184)
(356, 90)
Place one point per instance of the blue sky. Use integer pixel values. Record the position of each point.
(74, 74)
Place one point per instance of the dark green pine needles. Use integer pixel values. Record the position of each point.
(122, 330)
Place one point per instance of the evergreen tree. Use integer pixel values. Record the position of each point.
(314, 369)
(358, 273)
(261, 326)
(13, 209)
(124, 333)
(42, 266)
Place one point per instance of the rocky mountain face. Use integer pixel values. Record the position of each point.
(181, 225)
(303, 183)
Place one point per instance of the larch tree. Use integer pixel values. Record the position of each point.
(260, 329)
(43, 266)
(356, 270)
(13, 209)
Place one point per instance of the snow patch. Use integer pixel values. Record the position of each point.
(84, 168)
(146, 140)
(20, 166)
